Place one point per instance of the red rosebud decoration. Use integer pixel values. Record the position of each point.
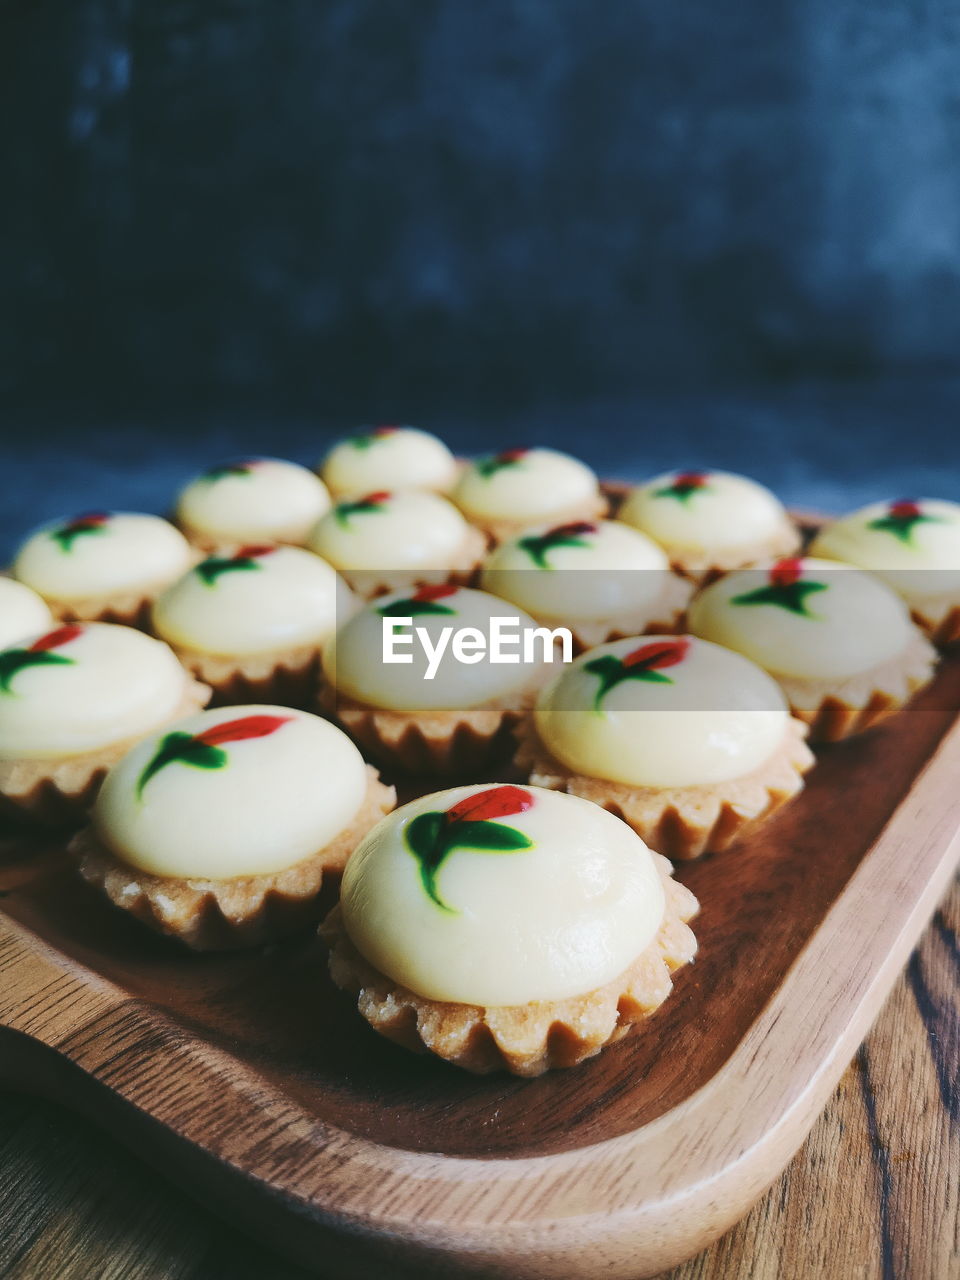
(205, 750)
(901, 519)
(488, 467)
(469, 824)
(80, 526)
(788, 589)
(644, 663)
(372, 502)
(39, 654)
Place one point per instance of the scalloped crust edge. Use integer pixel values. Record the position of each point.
(592, 508)
(462, 571)
(288, 678)
(705, 567)
(839, 709)
(665, 617)
(523, 1039)
(61, 789)
(682, 822)
(939, 621)
(222, 915)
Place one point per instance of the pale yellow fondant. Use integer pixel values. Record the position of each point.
(22, 613)
(719, 717)
(118, 684)
(730, 512)
(279, 799)
(291, 598)
(543, 485)
(129, 552)
(556, 920)
(410, 529)
(277, 501)
(407, 458)
(854, 624)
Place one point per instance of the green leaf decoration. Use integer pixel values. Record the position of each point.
(612, 672)
(539, 547)
(13, 661)
(209, 571)
(902, 527)
(230, 469)
(684, 486)
(432, 837)
(183, 748)
(67, 534)
(489, 467)
(791, 596)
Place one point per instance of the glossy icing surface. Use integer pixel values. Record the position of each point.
(85, 686)
(255, 599)
(240, 791)
(804, 617)
(702, 511)
(524, 487)
(662, 711)
(22, 613)
(620, 569)
(102, 555)
(501, 895)
(389, 458)
(264, 499)
(914, 545)
(397, 529)
(354, 661)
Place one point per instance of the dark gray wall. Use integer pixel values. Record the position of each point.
(400, 207)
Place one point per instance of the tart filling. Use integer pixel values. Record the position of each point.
(248, 600)
(518, 488)
(257, 500)
(22, 613)
(408, 533)
(354, 663)
(667, 711)
(389, 457)
(710, 518)
(805, 617)
(501, 895)
(100, 555)
(83, 687)
(240, 791)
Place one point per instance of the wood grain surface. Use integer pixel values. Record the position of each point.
(874, 1193)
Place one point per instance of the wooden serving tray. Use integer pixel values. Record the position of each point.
(258, 1088)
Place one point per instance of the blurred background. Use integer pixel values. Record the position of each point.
(652, 234)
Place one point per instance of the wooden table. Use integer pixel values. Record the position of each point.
(874, 1192)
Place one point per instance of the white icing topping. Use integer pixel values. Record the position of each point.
(712, 715)
(389, 458)
(22, 613)
(851, 621)
(558, 919)
(721, 512)
(923, 564)
(281, 790)
(354, 661)
(102, 556)
(538, 485)
(108, 684)
(620, 571)
(407, 529)
(271, 501)
(274, 599)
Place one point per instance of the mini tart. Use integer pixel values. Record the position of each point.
(252, 621)
(72, 702)
(915, 547)
(508, 492)
(601, 579)
(455, 723)
(507, 928)
(257, 500)
(689, 743)
(389, 458)
(222, 831)
(838, 641)
(398, 540)
(104, 567)
(709, 522)
(23, 613)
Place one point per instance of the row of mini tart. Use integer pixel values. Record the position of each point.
(220, 831)
(838, 643)
(111, 567)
